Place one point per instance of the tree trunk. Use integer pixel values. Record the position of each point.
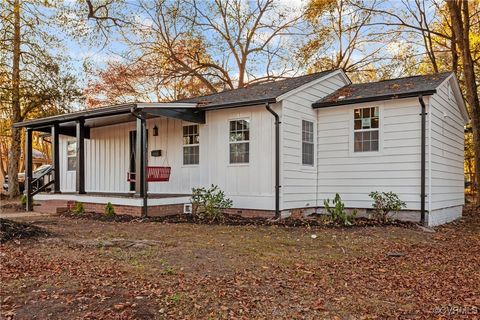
(461, 27)
(15, 149)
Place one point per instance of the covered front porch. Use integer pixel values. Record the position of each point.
(115, 154)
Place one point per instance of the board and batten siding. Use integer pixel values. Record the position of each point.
(299, 182)
(395, 167)
(447, 149)
(250, 186)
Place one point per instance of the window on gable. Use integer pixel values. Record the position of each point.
(239, 137)
(366, 129)
(307, 143)
(191, 145)
(71, 155)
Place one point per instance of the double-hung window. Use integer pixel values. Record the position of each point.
(366, 129)
(239, 137)
(191, 145)
(307, 143)
(71, 155)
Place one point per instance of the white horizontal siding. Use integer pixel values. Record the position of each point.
(299, 183)
(396, 167)
(447, 150)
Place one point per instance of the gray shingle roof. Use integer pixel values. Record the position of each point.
(255, 94)
(383, 90)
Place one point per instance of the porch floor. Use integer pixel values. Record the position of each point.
(127, 195)
(50, 201)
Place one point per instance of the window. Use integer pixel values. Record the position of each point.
(71, 155)
(191, 154)
(307, 143)
(366, 129)
(239, 141)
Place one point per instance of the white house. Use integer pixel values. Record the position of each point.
(402, 135)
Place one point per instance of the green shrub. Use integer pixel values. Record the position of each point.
(23, 200)
(209, 203)
(109, 210)
(384, 203)
(337, 211)
(78, 208)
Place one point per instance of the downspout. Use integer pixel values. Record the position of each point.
(133, 111)
(277, 160)
(423, 160)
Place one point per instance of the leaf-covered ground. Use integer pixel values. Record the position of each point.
(106, 270)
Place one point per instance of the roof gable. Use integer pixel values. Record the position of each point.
(384, 90)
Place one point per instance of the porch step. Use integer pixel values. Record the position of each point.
(52, 206)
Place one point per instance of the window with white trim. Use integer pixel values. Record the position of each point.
(366, 129)
(239, 137)
(307, 143)
(191, 145)
(71, 155)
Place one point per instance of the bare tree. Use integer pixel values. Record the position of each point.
(195, 47)
(341, 37)
(460, 17)
(33, 82)
(15, 148)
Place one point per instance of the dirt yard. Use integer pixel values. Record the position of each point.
(106, 270)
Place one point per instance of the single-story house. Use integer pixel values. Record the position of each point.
(275, 148)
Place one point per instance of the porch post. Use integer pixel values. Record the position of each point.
(80, 180)
(140, 158)
(55, 158)
(28, 169)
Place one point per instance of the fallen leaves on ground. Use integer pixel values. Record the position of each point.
(191, 272)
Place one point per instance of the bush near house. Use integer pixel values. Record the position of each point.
(337, 211)
(78, 208)
(384, 203)
(23, 200)
(109, 210)
(209, 203)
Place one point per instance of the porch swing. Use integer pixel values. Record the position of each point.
(155, 173)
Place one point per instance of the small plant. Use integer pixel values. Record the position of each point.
(78, 208)
(23, 200)
(337, 211)
(109, 210)
(175, 297)
(384, 203)
(209, 203)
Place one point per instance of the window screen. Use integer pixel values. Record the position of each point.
(307, 143)
(366, 129)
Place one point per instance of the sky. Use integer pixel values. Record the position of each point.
(89, 53)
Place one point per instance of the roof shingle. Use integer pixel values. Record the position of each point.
(254, 94)
(383, 90)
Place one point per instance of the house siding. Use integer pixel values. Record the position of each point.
(447, 150)
(250, 186)
(395, 167)
(299, 182)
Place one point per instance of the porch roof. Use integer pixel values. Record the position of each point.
(115, 114)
